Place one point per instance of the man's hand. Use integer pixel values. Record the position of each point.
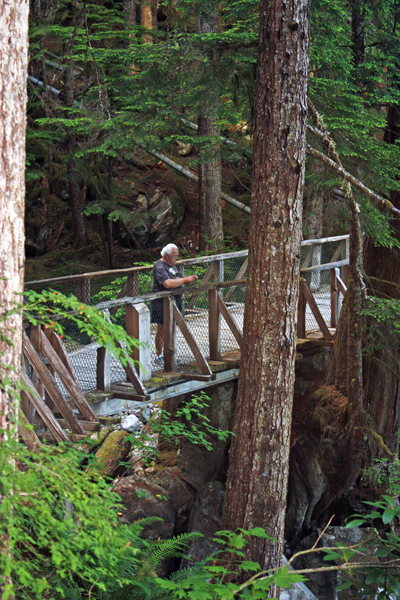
(191, 278)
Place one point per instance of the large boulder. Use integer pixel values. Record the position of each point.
(112, 452)
(205, 518)
(199, 465)
(181, 494)
(143, 498)
(157, 217)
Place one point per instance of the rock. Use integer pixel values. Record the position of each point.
(152, 501)
(198, 465)
(145, 414)
(184, 149)
(130, 423)
(323, 584)
(180, 493)
(114, 449)
(205, 518)
(35, 240)
(157, 217)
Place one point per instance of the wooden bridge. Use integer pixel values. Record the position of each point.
(80, 381)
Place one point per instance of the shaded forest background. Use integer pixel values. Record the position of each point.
(109, 78)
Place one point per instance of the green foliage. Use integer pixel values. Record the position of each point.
(62, 529)
(384, 473)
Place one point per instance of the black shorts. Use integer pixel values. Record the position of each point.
(157, 310)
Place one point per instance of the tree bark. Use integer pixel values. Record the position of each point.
(258, 471)
(210, 204)
(13, 96)
(13, 70)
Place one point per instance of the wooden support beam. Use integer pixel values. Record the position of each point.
(230, 322)
(59, 349)
(138, 327)
(169, 336)
(200, 360)
(316, 312)
(49, 401)
(86, 425)
(50, 386)
(124, 395)
(67, 380)
(43, 410)
(131, 374)
(103, 369)
(340, 250)
(197, 376)
(334, 298)
(301, 312)
(214, 326)
(341, 285)
(34, 336)
(28, 435)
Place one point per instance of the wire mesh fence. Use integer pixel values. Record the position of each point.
(110, 286)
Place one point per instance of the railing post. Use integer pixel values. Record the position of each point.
(334, 298)
(103, 365)
(214, 325)
(316, 261)
(138, 327)
(169, 336)
(301, 312)
(346, 275)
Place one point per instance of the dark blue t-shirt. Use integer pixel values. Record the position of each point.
(161, 272)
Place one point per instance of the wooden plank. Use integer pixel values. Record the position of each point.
(341, 285)
(229, 321)
(197, 376)
(30, 438)
(301, 312)
(334, 295)
(45, 413)
(131, 396)
(63, 373)
(214, 326)
(34, 336)
(169, 336)
(200, 360)
(47, 332)
(86, 425)
(316, 312)
(325, 266)
(50, 386)
(59, 349)
(131, 374)
(314, 242)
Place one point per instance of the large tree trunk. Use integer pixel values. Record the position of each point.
(13, 72)
(210, 206)
(258, 471)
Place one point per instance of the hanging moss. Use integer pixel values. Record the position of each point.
(328, 412)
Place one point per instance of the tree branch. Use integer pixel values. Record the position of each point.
(382, 203)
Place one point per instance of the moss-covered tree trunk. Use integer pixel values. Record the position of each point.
(258, 471)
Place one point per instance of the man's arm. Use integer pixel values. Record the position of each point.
(175, 283)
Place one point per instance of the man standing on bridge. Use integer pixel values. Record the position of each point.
(166, 276)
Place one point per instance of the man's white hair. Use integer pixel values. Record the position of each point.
(168, 249)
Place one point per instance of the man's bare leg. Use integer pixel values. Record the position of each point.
(159, 341)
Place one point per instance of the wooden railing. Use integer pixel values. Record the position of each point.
(217, 297)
